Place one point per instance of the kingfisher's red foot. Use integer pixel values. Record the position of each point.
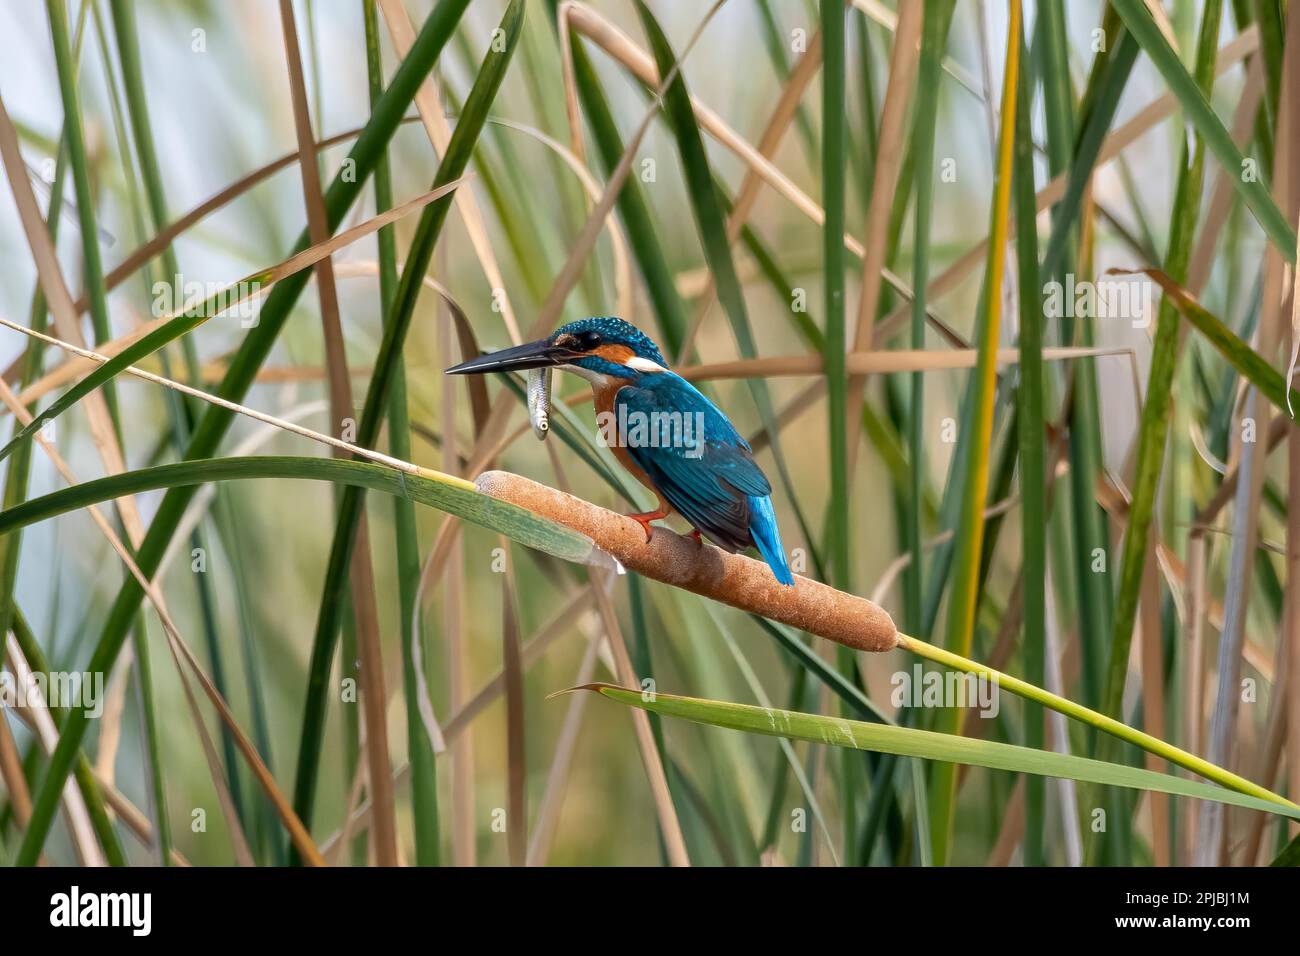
(645, 517)
(699, 538)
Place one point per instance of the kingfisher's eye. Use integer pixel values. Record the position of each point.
(589, 341)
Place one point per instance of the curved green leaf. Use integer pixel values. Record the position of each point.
(445, 493)
(928, 745)
(1236, 352)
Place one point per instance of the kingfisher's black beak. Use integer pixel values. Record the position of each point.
(540, 354)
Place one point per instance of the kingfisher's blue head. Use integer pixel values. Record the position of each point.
(602, 347)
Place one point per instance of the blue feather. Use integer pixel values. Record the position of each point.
(715, 484)
(767, 537)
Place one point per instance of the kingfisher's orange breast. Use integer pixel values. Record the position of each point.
(602, 397)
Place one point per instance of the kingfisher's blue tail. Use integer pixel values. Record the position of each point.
(767, 537)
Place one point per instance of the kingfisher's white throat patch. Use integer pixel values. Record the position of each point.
(598, 379)
(644, 364)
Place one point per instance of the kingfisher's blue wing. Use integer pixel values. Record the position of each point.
(705, 469)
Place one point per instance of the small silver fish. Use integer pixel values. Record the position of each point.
(539, 401)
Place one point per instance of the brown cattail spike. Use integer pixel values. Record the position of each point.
(705, 570)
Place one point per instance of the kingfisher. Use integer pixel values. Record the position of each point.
(666, 433)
